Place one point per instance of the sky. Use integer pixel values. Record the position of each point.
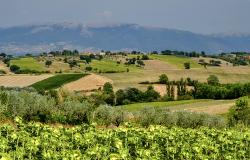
(199, 16)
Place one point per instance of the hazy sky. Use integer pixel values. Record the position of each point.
(200, 16)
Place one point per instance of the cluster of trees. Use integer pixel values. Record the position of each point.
(183, 53)
(61, 53)
(236, 58)
(126, 96)
(210, 90)
(227, 91)
(133, 95)
(135, 61)
(211, 62)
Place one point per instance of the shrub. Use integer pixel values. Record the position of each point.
(153, 116)
(75, 112)
(163, 79)
(29, 105)
(14, 68)
(240, 113)
(120, 96)
(213, 80)
(107, 115)
(151, 95)
(48, 63)
(88, 68)
(187, 65)
(145, 57)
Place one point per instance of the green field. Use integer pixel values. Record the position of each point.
(199, 105)
(107, 65)
(177, 61)
(56, 81)
(28, 63)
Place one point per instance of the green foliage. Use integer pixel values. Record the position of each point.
(56, 81)
(107, 115)
(33, 106)
(48, 63)
(108, 88)
(88, 68)
(213, 80)
(72, 63)
(140, 63)
(151, 95)
(163, 79)
(120, 97)
(14, 68)
(39, 141)
(228, 91)
(184, 119)
(28, 105)
(240, 113)
(108, 93)
(145, 57)
(187, 65)
(86, 58)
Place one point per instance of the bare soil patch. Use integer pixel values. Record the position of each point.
(21, 80)
(87, 83)
(157, 65)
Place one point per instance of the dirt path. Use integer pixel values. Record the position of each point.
(87, 83)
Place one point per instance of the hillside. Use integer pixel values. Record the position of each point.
(38, 38)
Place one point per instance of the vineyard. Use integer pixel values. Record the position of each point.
(39, 141)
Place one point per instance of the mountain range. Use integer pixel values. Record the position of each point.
(58, 36)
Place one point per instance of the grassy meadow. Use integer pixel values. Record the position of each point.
(197, 105)
(28, 63)
(177, 61)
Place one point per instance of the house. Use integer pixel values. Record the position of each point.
(102, 53)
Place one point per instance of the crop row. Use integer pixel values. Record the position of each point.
(39, 141)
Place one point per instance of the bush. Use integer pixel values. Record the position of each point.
(88, 68)
(48, 63)
(14, 68)
(213, 80)
(151, 95)
(240, 113)
(153, 116)
(187, 65)
(163, 79)
(29, 105)
(145, 57)
(107, 115)
(75, 112)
